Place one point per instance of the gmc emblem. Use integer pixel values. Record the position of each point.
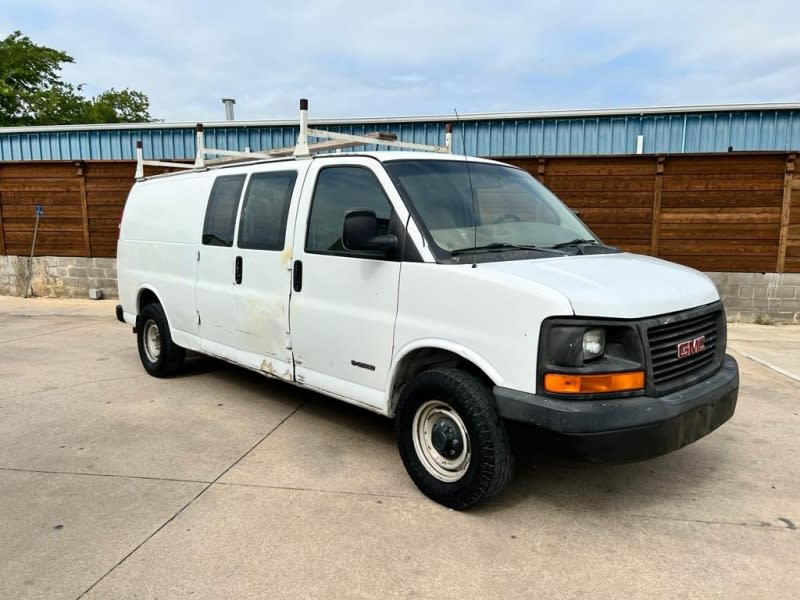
(690, 347)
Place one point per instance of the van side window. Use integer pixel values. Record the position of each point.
(338, 190)
(265, 210)
(221, 210)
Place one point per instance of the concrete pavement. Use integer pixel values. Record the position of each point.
(221, 484)
(775, 347)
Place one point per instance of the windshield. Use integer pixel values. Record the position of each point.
(511, 207)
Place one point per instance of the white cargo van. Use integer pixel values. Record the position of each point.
(449, 293)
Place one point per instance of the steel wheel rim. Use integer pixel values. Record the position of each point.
(441, 467)
(152, 341)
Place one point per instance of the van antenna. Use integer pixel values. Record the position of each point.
(471, 193)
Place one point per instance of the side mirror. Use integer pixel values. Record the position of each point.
(577, 213)
(360, 232)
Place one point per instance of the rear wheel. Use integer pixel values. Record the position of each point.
(451, 439)
(160, 356)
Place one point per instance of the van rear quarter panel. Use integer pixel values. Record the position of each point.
(160, 235)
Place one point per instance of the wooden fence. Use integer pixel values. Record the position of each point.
(736, 212)
(82, 205)
(714, 212)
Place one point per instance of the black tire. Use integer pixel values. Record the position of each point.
(441, 398)
(161, 357)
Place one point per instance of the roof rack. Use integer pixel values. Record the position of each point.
(334, 141)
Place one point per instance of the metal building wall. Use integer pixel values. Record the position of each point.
(562, 134)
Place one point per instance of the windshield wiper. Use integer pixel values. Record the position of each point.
(575, 242)
(499, 246)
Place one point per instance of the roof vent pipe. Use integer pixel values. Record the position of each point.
(229, 102)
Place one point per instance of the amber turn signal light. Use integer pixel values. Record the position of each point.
(561, 383)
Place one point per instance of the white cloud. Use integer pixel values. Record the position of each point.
(360, 58)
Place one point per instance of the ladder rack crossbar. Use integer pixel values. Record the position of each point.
(359, 139)
(334, 141)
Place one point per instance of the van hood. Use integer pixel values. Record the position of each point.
(624, 286)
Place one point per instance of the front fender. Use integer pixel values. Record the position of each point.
(437, 344)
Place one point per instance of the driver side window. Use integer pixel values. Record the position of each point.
(338, 190)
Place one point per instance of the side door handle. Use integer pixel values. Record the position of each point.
(297, 275)
(237, 271)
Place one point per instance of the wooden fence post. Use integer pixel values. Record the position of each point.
(87, 244)
(655, 222)
(788, 177)
(540, 172)
(2, 235)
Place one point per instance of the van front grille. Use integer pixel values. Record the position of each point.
(684, 351)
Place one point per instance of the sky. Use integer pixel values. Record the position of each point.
(414, 57)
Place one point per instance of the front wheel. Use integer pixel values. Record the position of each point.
(160, 356)
(451, 439)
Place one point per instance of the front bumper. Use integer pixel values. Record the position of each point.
(629, 428)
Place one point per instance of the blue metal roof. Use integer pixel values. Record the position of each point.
(668, 130)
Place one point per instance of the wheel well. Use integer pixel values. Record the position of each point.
(426, 359)
(147, 297)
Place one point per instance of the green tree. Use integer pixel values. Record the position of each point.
(33, 93)
(123, 106)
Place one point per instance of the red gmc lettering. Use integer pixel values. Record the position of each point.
(690, 347)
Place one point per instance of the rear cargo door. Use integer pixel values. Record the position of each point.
(216, 287)
(262, 276)
(243, 282)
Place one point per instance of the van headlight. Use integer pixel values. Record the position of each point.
(594, 344)
(582, 357)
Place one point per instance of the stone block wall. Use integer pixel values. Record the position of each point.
(58, 276)
(9, 277)
(760, 297)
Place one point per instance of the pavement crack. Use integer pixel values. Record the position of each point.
(59, 315)
(322, 491)
(786, 524)
(104, 475)
(751, 524)
(47, 334)
(765, 363)
(190, 502)
(74, 385)
(257, 444)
